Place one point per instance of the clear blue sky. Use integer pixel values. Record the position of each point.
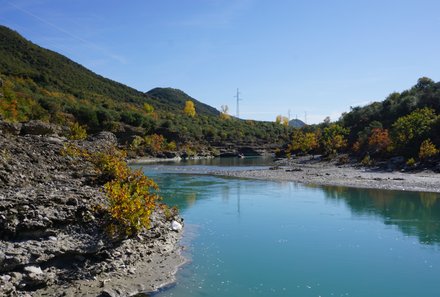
(317, 56)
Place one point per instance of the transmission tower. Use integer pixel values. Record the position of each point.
(238, 102)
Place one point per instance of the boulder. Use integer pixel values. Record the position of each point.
(39, 128)
(106, 136)
(10, 128)
(176, 226)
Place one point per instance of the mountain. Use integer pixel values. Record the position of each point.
(295, 123)
(178, 98)
(20, 57)
(37, 83)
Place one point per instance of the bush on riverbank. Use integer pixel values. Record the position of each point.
(131, 195)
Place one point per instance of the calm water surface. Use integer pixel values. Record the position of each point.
(257, 238)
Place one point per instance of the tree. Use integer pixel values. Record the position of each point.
(149, 109)
(409, 131)
(379, 141)
(189, 109)
(427, 150)
(304, 142)
(333, 138)
(224, 114)
(282, 120)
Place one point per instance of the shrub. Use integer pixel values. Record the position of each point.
(131, 195)
(427, 150)
(131, 201)
(411, 162)
(77, 132)
(366, 161)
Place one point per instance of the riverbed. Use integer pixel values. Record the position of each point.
(278, 238)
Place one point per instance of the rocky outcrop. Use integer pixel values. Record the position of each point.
(53, 237)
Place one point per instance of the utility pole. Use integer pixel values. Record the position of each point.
(238, 102)
(288, 115)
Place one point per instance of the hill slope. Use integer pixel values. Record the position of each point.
(295, 123)
(176, 97)
(37, 83)
(20, 57)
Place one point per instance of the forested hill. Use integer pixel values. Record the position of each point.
(36, 83)
(21, 58)
(424, 94)
(177, 97)
(405, 124)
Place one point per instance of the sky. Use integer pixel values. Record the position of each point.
(316, 58)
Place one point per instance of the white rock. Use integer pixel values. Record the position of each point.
(53, 238)
(176, 226)
(33, 269)
(5, 278)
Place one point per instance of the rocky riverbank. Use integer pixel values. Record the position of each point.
(317, 172)
(53, 239)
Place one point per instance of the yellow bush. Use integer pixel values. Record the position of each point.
(77, 132)
(131, 201)
(427, 150)
(411, 162)
(131, 195)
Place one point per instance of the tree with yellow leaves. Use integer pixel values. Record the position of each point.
(224, 114)
(427, 150)
(190, 109)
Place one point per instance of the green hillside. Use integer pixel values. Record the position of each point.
(404, 124)
(175, 97)
(37, 83)
(48, 69)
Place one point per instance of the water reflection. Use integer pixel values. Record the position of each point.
(414, 213)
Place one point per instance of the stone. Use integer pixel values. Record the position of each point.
(39, 128)
(176, 226)
(33, 269)
(5, 278)
(10, 128)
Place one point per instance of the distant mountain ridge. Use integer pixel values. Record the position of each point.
(295, 123)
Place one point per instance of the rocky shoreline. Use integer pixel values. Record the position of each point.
(317, 172)
(53, 241)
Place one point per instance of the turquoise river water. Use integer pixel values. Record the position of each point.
(262, 238)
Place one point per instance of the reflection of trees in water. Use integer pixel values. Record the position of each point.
(190, 198)
(416, 214)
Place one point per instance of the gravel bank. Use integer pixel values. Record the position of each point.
(328, 173)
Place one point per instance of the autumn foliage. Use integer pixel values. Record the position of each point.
(131, 195)
(189, 109)
(427, 150)
(380, 141)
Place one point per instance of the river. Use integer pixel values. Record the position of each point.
(263, 238)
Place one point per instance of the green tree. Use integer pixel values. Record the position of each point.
(409, 131)
(333, 139)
